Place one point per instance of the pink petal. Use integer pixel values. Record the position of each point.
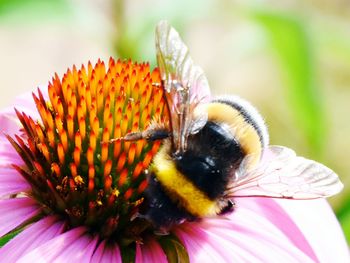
(9, 123)
(11, 182)
(138, 254)
(267, 230)
(320, 227)
(238, 240)
(107, 254)
(15, 211)
(201, 249)
(25, 103)
(72, 246)
(262, 238)
(31, 238)
(8, 154)
(150, 252)
(80, 251)
(268, 208)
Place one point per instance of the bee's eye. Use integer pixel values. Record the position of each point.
(209, 161)
(204, 167)
(194, 166)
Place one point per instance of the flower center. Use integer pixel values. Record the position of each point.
(72, 168)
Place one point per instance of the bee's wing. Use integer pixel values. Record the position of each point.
(185, 84)
(285, 175)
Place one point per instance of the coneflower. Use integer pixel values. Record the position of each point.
(68, 195)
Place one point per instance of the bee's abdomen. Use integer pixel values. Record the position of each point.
(162, 211)
(182, 191)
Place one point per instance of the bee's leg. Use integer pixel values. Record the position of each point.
(228, 207)
(161, 232)
(148, 135)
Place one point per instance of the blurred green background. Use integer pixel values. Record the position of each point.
(289, 58)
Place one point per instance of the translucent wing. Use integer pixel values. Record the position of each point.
(184, 83)
(284, 175)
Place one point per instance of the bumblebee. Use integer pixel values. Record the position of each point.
(193, 183)
(215, 150)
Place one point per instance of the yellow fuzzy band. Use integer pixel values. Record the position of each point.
(179, 188)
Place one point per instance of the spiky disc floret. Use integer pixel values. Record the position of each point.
(73, 170)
